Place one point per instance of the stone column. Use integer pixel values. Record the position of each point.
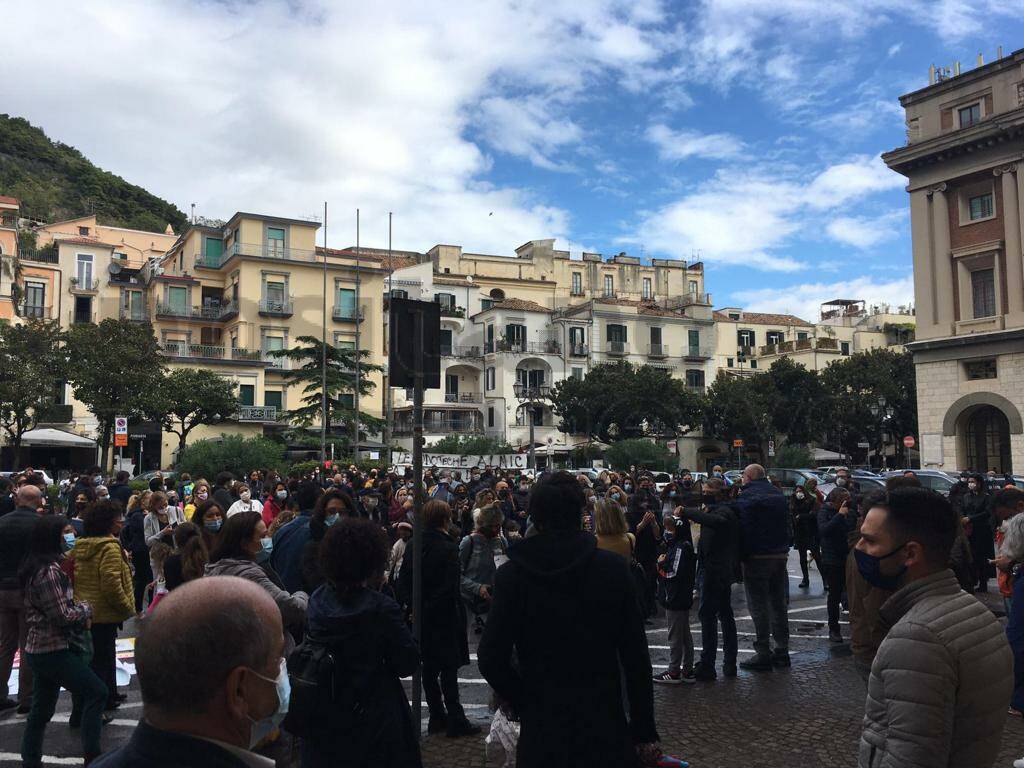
(924, 273)
(943, 261)
(1010, 176)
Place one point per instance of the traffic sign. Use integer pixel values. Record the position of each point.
(908, 441)
(120, 431)
(737, 443)
(771, 447)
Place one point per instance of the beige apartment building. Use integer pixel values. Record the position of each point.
(964, 162)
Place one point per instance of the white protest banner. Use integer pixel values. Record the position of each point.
(452, 461)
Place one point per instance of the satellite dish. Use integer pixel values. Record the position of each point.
(114, 268)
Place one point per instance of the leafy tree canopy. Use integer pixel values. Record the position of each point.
(31, 363)
(640, 453)
(470, 445)
(189, 397)
(232, 453)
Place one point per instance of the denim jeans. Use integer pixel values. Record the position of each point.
(51, 672)
(715, 607)
(766, 581)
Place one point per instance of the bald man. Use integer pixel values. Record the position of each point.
(764, 521)
(211, 668)
(15, 532)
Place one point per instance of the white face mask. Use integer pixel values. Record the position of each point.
(260, 729)
(245, 495)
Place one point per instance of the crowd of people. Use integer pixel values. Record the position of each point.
(297, 590)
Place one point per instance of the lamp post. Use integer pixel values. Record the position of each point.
(883, 412)
(531, 398)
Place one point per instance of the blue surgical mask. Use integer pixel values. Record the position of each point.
(213, 525)
(69, 540)
(616, 496)
(870, 567)
(282, 495)
(267, 544)
(262, 728)
(331, 520)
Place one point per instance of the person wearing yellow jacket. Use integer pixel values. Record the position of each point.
(103, 579)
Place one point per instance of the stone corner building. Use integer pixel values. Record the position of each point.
(964, 161)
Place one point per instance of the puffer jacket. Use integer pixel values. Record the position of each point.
(940, 681)
(292, 606)
(103, 579)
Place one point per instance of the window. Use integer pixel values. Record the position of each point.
(451, 384)
(695, 378)
(344, 343)
(515, 336)
(489, 342)
(844, 347)
(774, 337)
(347, 400)
(490, 416)
(446, 300)
(646, 291)
(273, 398)
(275, 295)
(734, 316)
(486, 304)
(84, 231)
(272, 344)
(490, 378)
(616, 333)
(693, 342)
(983, 291)
(275, 242)
(728, 362)
(655, 336)
(209, 336)
(398, 293)
(693, 287)
(969, 115)
(577, 283)
(577, 373)
(577, 340)
(214, 250)
(83, 270)
(980, 207)
(345, 302)
(980, 369)
(745, 338)
(446, 341)
(247, 394)
(753, 363)
(60, 393)
(609, 285)
(801, 335)
(134, 309)
(177, 299)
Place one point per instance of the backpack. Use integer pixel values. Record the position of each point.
(318, 703)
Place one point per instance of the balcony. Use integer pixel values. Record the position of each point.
(8, 221)
(184, 350)
(463, 397)
(689, 299)
(548, 347)
(448, 350)
(257, 413)
(618, 348)
(135, 314)
(447, 311)
(347, 314)
(696, 389)
(579, 350)
(209, 312)
(607, 294)
(275, 363)
(255, 250)
(472, 424)
(45, 255)
(695, 352)
(83, 285)
(81, 318)
(657, 350)
(276, 307)
(546, 420)
(527, 392)
(577, 292)
(34, 311)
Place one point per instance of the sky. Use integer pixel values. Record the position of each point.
(746, 134)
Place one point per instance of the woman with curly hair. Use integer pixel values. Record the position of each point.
(371, 642)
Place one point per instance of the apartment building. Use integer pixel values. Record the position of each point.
(10, 208)
(965, 179)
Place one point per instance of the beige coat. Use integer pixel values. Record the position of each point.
(940, 682)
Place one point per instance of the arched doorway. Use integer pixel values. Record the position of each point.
(987, 439)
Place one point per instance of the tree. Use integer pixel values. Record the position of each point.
(640, 453)
(189, 397)
(798, 401)
(740, 407)
(232, 453)
(621, 401)
(115, 369)
(793, 456)
(856, 383)
(307, 370)
(31, 364)
(471, 445)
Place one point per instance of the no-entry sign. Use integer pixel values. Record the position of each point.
(908, 441)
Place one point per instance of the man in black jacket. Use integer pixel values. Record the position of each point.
(203, 708)
(569, 612)
(15, 532)
(222, 493)
(717, 551)
(120, 491)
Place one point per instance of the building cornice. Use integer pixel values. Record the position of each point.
(1007, 126)
(950, 342)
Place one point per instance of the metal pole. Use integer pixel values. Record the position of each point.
(323, 356)
(355, 419)
(419, 497)
(533, 447)
(388, 403)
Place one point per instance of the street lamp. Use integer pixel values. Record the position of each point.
(883, 412)
(531, 398)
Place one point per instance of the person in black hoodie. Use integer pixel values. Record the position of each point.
(644, 518)
(717, 551)
(835, 523)
(521, 498)
(677, 570)
(561, 605)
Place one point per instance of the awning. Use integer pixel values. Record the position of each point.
(821, 454)
(55, 438)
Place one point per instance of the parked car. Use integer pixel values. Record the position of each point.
(789, 479)
(46, 477)
(167, 474)
(930, 478)
(862, 473)
(733, 476)
(867, 485)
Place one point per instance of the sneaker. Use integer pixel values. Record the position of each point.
(463, 727)
(704, 673)
(669, 678)
(757, 663)
(835, 636)
(437, 724)
(780, 659)
(687, 677)
(805, 584)
(729, 670)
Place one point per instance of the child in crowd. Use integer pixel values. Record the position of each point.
(677, 569)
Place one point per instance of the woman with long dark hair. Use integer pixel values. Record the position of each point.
(329, 509)
(56, 645)
(370, 639)
(189, 558)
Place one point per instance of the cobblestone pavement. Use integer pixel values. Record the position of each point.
(809, 714)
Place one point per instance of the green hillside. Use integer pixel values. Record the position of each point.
(56, 182)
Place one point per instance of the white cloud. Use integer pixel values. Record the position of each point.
(805, 299)
(680, 145)
(851, 180)
(525, 128)
(865, 231)
(894, 49)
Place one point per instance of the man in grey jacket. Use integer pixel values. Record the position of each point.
(943, 675)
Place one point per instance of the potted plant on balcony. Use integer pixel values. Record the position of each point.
(73, 281)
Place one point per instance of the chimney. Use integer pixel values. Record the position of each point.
(999, 52)
(981, 59)
(931, 75)
(956, 69)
